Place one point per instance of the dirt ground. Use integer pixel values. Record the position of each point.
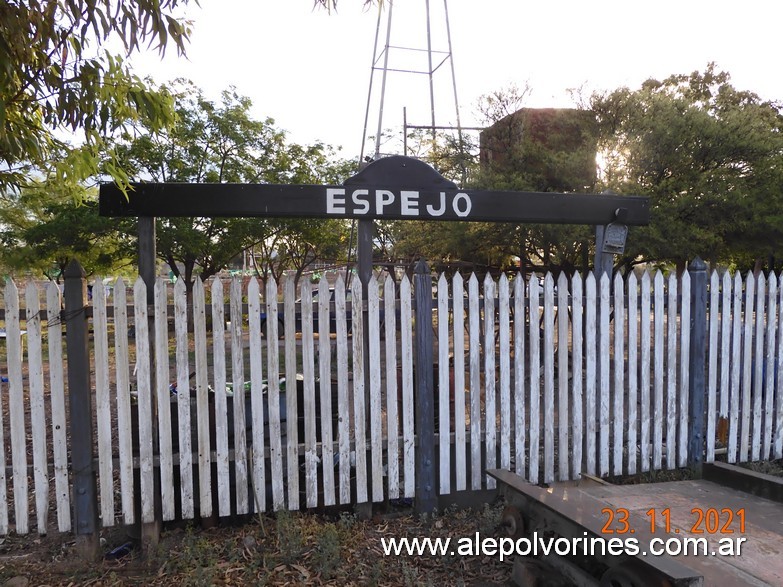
(774, 468)
(287, 549)
(335, 548)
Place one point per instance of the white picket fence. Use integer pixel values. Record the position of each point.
(549, 379)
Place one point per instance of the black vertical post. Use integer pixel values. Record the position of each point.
(85, 493)
(698, 361)
(147, 255)
(364, 251)
(150, 533)
(426, 500)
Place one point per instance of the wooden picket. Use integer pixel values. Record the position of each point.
(460, 451)
(406, 364)
(475, 383)
(35, 377)
(489, 370)
(123, 398)
(291, 406)
(633, 381)
(183, 398)
(747, 368)
(604, 363)
(563, 449)
(684, 361)
(308, 395)
(359, 411)
(343, 399)
(658, 372)
(549, 377)
(549, 380)
(535, 382)
(618, 394)
(258, 443)
(375, 416)
(590, 373)
(725, 342)
(238, 395)
(670, 401)
(103, 403)
(577, 337)
(325, 378)
(163, 400)
(16, 408)
(57, 403)
(769, 365)
(644, 373)
(392, 387)
(144, 398)
(202, 400)
(758, 369)
(221, 399)
(520, 426)
(504, 356)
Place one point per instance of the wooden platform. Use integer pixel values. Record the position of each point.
(760, 561)
(687, 503)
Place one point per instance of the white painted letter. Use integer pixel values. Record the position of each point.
(382, 198)
(335, 205)
(359, 201)
(439, 212)
(409, 203)
(467, 206)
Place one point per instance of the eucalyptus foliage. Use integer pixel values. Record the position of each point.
(63, 90)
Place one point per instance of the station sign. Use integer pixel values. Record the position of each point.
(394, 188)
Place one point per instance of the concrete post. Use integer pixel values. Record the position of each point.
(85, 492)
(698, 362)
(426, 500)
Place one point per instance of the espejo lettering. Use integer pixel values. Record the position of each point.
(406, 203)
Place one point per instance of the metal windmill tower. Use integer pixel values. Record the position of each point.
(412, 66)
(411, 62)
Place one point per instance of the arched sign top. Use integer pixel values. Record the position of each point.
(403, 172)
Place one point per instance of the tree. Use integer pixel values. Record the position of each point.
(44, 231)
(709, 156)
(58, 80)
(302, 242)
(210, 142)
(521, 150)
(222, 142)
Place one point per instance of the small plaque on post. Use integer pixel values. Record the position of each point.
(614, 238)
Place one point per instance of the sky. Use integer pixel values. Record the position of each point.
(310, 70)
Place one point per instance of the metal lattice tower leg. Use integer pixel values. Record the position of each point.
(406, 60)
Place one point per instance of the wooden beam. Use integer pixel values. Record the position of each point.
(370, 201)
